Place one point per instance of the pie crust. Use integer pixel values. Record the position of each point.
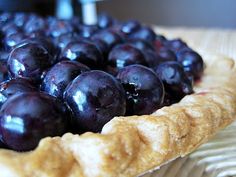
(129, 146)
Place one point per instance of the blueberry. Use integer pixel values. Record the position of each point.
(192, 63)
(130, 26)
(144, 33)
(124, 55)
(175, 80)
(13, 39)
(34, 24)
(95, 97)
(140, 44)
(58, 27)
(10, 28)
(102, 46)
(110, 37)
(28, 117)
(175, 44)
(87, 30)
(105, 21)
(84, 52)
(5, 17)
(47, 44)
(20, 19)
(15, 86)
(166, 54)
(28, 60)
(60, 75)
(152, 58)
(66, 38)
(144, 90)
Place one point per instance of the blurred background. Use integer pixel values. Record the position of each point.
(201, 13)
(210, 13)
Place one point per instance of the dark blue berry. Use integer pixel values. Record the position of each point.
(175, 80)
(60, 75)
(28, 60)
(192, 63)
(105, 21)
(109, 36)
(95, 97)
(28, 117)
(15, 86)
(84, 52)
(130, 26)
(13, 39)
(124, 55)
(144, 90)
(144, 33)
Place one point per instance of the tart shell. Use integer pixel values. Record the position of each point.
(130, 146)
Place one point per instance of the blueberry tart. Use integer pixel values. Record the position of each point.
(119, 101)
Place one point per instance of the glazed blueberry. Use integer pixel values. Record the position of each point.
(58, 27)
(28, 60)
(60, 75)
(95, 97)
(124, 55)
(130, 26)
(10, 28)
(28, 117)
(84, 52)
(34, 23)
(175, 80)
(175, 44)
(144, 90)
(140, 44)
(110, 37)
(5, 17)
(166, 54)
(105, 21)
(15, 86)
(3, 71)
(20, 19)
(87, 30)
(152, 58)
(66, 38)
(48, 45)
(192, 63)
(144, 33)
(102, 46)
(13, 39)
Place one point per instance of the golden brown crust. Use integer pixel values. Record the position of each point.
(129, 146)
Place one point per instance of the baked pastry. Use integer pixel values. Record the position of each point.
(129, 146)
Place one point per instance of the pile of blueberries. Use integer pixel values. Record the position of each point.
(61, 76)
